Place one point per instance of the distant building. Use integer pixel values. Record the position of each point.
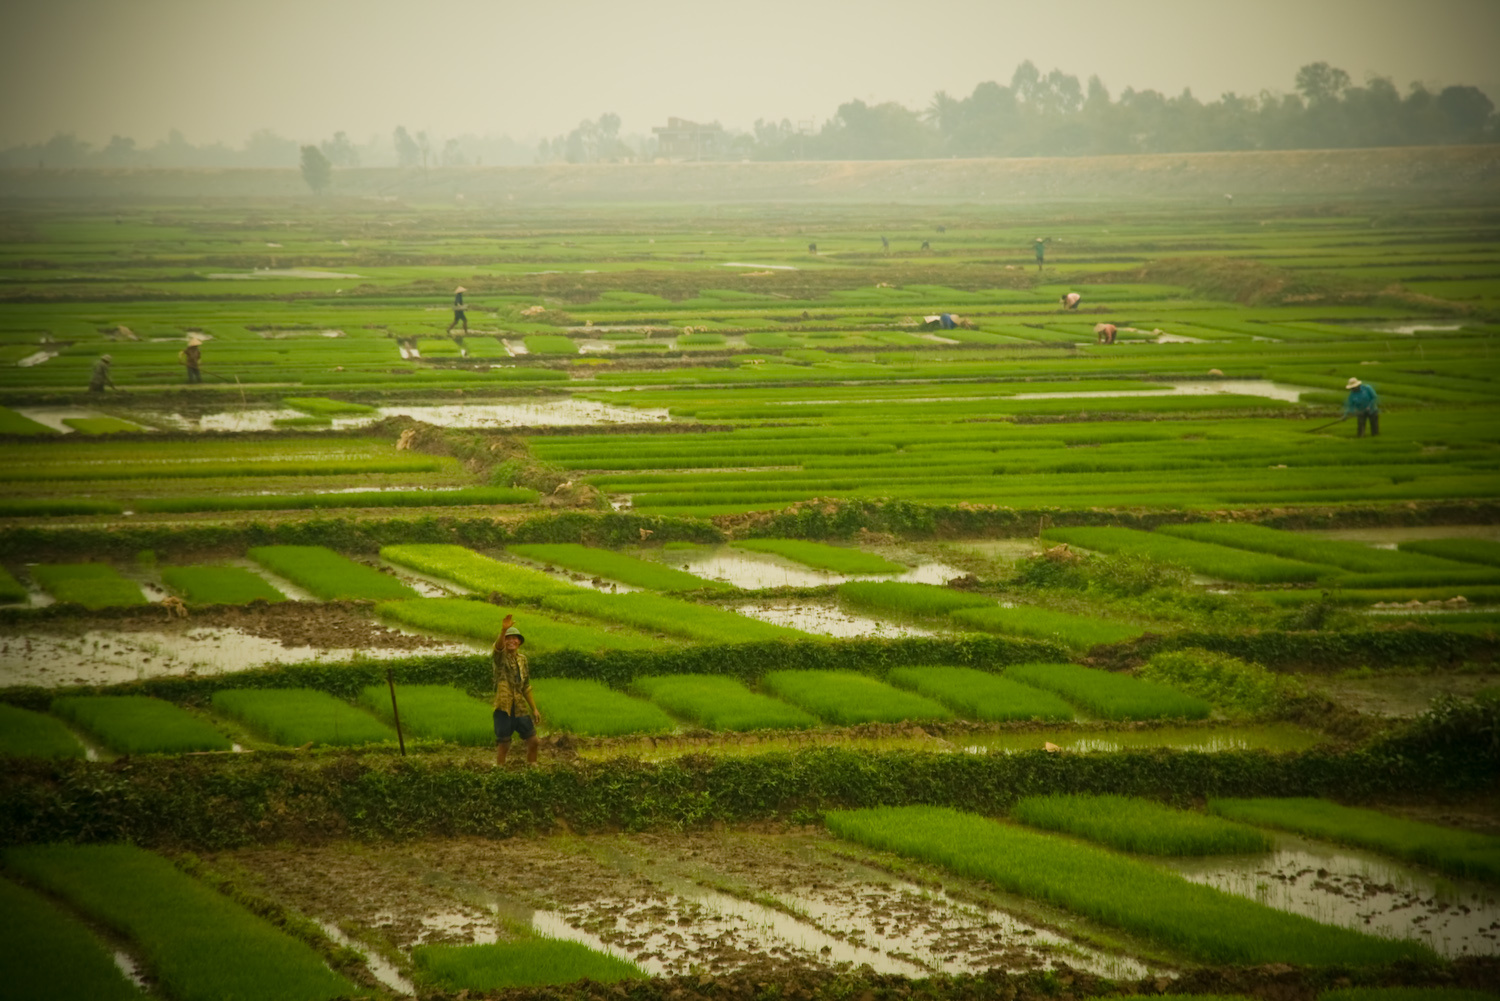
(681, 139)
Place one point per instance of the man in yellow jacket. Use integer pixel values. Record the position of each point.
(515, 709)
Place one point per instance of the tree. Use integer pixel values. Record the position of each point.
(1467, 109)
(316, 170)
(340, 151)
(408, 153)
(1320, 82)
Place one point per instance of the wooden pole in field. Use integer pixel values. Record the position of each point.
(395, 713)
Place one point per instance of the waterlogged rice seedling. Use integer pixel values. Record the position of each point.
(479, 620)
(1078, 631)
(200, 944)
(321, 406)
(1463, 853)
(219, 585)
(525, 963)
(293, 717)
(135, 724)
(1298, 546)
(477, 496)
(908, 599)
(26, 734)
(1205, 923)
(550, 344)
(1459, 550)
(438, 712)
(481, 574)
(1203, 557)
(1108, 695)
(615, 566)
(838, 559)
(673, 616)
(979, 695)
(46, 954)
(328, 575)
(11, 590)
(92, 585)
(846, 698)
(720, 703)
(1132, 824)
(595, 709)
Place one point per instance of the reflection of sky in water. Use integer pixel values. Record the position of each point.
(753, 571)
(1359, 890)
(552, 413)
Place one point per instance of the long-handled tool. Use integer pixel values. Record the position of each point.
(1328, 425)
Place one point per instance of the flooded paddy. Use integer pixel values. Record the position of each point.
(755, 571)
(559, 412)
(828, 619)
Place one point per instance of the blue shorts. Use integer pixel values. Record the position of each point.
(506, 724)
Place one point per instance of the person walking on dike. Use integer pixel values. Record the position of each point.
(460, 311)
(1040, 249)
(515, 709)
(1071, 300)
(99, 378)
(1364, 405)
(192, 357)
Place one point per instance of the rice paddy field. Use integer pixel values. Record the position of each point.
(873, 659)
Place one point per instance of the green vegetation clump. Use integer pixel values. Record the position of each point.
(595, 709)
(1203, 557)
(1078, 631)
(481, 574)
(846, 698)
(1132, 824)
(720, 703)
(46, 955)
(1236, 687)
(980, 695)
(481, 621)
(528, 962)
(219, 585)
(200, 945)
(321, 406)
(137, 724)
(1463, 853)
(27, 734)
(437, 712)
(92, 585)
(293, 717)
(1205, 923)
(908, 599)
(328, 575)
(1108, 695)
(821, 556)
(615, 566)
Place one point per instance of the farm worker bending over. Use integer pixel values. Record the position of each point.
(514, 706)
(99, 378)
(1104, 333)
(192, 357)
(460, 311)
(1364, 405)
(1070, 301)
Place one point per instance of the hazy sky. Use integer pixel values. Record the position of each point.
(306, 68)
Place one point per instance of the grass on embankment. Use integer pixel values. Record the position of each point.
(46, 955)
(1202, 922)
(137, 724)
(1132, 824)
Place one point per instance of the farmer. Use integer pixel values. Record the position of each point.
(460, 313)
(1070, 301)
(1104, 333)
(99, 378)
(1040, 249)
(515, 709)
(1364, 405)
(192, 357)
(885, 244)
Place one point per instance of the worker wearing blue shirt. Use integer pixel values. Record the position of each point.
(1364, 405)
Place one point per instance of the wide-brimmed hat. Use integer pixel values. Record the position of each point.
(194, 341)
(1353, 383)
(460, 289)
(106, 358)
(513, 631)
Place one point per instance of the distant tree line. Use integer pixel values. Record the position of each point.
(1036, 114)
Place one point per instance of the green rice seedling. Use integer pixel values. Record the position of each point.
(26, 734)
(200, 945)
(980, 695)
(550, 344)
(1234, 686)
(46, 954)
(14, 423)
(525, 963)
(1108, 695)
(328, 575)
(673, 616)
(136, 724)
(596, 710)
(1472, 575)
(1132, 824)
(100, 425)
(437, 712)
(1463, 853)
(720, 703)
(908, 599)
(1204, 557)
(11, 590)
(1407, 994)
(1299, 546)
(1078, 631)
(293, 717)
(615, 566)
(52, 507)
(480, 620)
(1140, 897)
(839, 559)
(475, 572)
(1458, 550)
(321, 406)
(92, 585)
(478, 496)
(219, 585)
(846, 698)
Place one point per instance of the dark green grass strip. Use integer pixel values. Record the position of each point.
(199, 944)
(720, 703)
(328, 575)
(1077, 631)
(980, 695)
(137, 724)
(1132, 824)
(1205, 923)
(1353, 556)
(47, 955)
(437, 712)
(14, 423)
(219, 585)
(1463, 853)
(1109, 695)
(297, 716)
(27, 734)
(595, 709)
(471, 496)
(92, 585)
(846, 698)
(1464, 550)
(526, 963)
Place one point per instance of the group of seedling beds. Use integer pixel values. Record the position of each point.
(1086, 757)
